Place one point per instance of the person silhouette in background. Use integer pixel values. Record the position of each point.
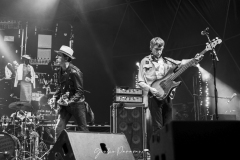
(25, 77)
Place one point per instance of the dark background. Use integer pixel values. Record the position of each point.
(110, 36)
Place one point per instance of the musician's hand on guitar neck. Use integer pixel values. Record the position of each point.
(198, 57)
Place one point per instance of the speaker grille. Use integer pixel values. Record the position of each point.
(129, 120)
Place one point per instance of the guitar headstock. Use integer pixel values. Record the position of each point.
(213, 44)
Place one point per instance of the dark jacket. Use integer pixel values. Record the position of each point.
(70, 81)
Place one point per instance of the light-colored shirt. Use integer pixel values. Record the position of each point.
(20, 76)
(151, 70)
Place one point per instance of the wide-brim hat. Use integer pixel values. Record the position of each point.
(67, 51)
(26, 56)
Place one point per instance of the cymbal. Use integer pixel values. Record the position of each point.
(21, 105)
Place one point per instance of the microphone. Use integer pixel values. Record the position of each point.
(230, 99)
(204, 32)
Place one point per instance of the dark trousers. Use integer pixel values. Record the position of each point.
(78, 111)
(161, 113)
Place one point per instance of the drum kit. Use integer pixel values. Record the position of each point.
(23, 136)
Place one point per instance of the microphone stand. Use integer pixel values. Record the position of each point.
(214, 61)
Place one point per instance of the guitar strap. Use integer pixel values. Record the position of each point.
(169, 60)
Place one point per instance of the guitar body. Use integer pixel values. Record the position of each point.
(165, 85)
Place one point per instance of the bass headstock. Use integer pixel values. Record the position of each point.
(213, 43)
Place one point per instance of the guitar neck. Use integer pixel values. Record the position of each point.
(186, 66)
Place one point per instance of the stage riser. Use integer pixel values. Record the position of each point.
(196, 140)
(87, 146)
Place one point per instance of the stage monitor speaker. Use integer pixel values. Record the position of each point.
(225, 117)
(196, 140)
(128, 118)
(90, 146)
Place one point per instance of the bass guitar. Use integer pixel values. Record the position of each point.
(165, 85)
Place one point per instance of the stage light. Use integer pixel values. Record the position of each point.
(205, 74)
(137, 64)
(224, 91)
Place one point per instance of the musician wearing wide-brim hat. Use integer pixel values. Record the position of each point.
(70, 93)
(66, 51)
(25, 76)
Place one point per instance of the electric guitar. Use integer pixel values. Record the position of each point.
(63, 99)
(165, 85)
(61, 102)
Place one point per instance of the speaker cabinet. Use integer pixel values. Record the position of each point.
(196, 140)
(90, 146)
(128, 118)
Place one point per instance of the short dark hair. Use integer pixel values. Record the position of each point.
(69, 59)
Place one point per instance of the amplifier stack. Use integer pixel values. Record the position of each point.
(128, 95)
(128, 116)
